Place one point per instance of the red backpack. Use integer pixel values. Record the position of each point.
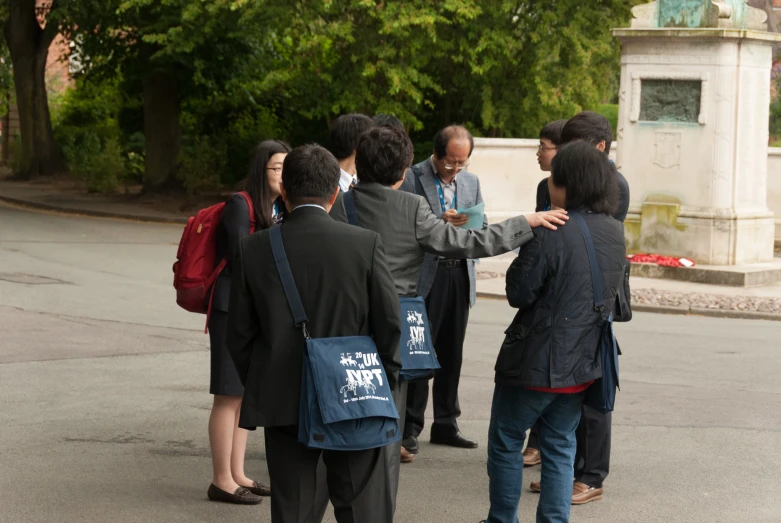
(197, 266)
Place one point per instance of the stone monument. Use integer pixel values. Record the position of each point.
(693, 130)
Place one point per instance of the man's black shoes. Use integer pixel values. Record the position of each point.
(411, 444)
(451, 437)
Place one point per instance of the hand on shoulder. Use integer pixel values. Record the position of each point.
(547, 219)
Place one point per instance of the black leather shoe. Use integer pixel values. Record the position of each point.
(451, 438)
(258, 489)
(411, 444)
(242, 496)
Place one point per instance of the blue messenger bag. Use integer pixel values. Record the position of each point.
(418, 358)
(601, 395)
(346, 403)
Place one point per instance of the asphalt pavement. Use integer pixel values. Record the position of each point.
(104, 399)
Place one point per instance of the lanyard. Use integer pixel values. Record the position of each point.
(442, 196)
(276, 209)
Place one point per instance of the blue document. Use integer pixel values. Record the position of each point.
(475, 215)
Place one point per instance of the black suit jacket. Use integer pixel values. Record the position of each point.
(623, 197)
(234, 225)
(346, 289)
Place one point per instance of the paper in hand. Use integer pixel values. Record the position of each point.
(475, 215)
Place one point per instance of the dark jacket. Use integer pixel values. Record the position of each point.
(234, 225)
(346, 289)
(552, 341)
(543, 198)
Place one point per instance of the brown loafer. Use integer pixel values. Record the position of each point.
(582, 493)
(531, 457)
(259, 489)
(242, 496)
(407, 456)
(535, 487)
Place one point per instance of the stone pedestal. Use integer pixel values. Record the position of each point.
(693, 129)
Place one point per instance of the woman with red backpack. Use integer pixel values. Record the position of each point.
(257, 208)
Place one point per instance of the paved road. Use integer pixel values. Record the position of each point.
(104, 399)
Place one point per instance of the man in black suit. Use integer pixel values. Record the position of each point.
(595, 129)
(347, 290)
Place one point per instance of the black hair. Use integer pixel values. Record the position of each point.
(388, 120)
(443, 137)
(383, 155)
(552, 132)
(310, 175)
(588, 177)
(589, 127)
(257, 180)
(345, 132)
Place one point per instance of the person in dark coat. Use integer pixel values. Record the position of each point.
(549, 355)
(228, 442)
(346, 289)
(592, 464)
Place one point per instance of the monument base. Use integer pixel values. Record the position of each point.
(707, 236)
(749, 275)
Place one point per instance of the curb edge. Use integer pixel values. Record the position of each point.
(96, 214)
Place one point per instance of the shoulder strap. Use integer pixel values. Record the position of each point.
(288, 283)
(349, 208)
(596, 274)
(252, 221)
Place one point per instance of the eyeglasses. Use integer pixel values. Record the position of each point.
(541, 148)
(457, 167)
(275, 170)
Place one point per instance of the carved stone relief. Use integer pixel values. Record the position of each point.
(667, 149)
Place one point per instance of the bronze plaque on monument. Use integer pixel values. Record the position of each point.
(670, 100)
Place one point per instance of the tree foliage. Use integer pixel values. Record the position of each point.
(224, 74)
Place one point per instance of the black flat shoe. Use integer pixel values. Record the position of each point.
(452, 439)
(259, 489)
(242, 496)
(411, 444)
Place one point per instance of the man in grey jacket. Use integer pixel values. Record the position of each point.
(409, 229)
(449, 285)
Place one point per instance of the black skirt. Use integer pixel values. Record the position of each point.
(224, 377)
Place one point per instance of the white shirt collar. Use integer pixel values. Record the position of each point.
(346, 180)
(310, 205)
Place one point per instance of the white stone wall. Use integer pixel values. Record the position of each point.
(509, 175)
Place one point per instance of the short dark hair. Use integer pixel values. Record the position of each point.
(588, 177)
(383, 155)
(345, 132)
(552, 131)
(310, 174)
(388, 120)
(589, 127)
(443, 137)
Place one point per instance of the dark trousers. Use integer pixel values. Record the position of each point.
(592, 461)
(447, 306)
(356, 481)
(391, 455)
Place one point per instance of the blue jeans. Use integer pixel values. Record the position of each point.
(513, 412)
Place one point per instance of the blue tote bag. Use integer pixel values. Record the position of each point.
(418, 358)
(346, 402)
(601, 395)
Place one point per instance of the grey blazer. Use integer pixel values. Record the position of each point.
(468, 195)
(409, 230)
